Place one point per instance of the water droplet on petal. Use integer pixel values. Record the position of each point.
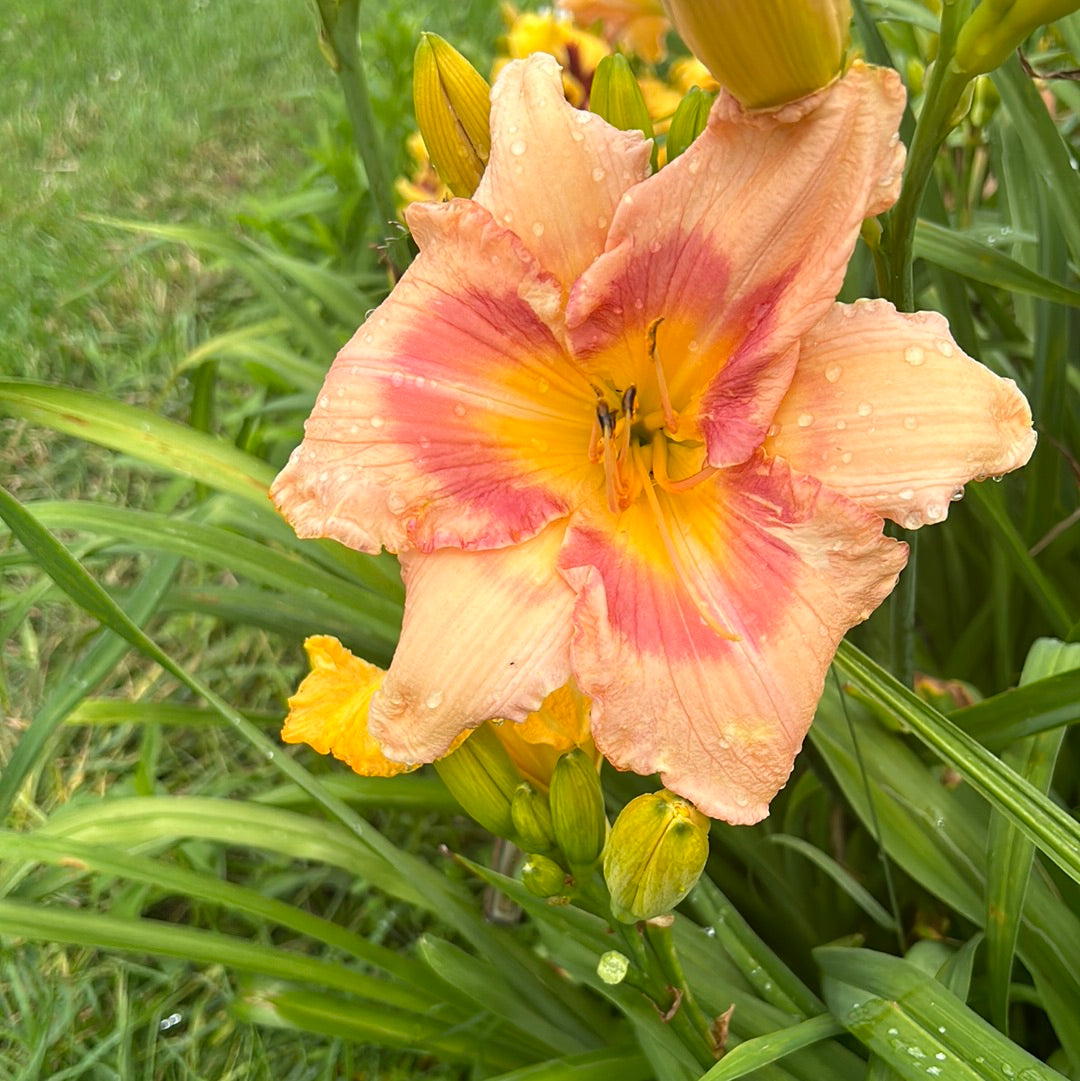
(832, 372)
(805, 420)
(906, 493)
(911, 423)
(398, 379)
(846, 457)
(841, 425)
(601, 222)
(538, 228)
(434, 700)
(518, 147)
(377, 421)
(773, 430)
(914, 355)
(945, 347)
(935, 512)
(865, 409)
(957, 496)
(459, 410)
(598, 174)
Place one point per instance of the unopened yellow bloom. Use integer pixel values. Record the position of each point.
(996, 27)
(766, 52)
(452, 105)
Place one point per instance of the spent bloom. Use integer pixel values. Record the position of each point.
(618, 431)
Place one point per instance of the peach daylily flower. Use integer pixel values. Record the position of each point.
(617, 430)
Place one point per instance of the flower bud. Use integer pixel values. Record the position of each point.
(688, 121)
(481, 777)
(453, 106)
(616, 96)
(543, 877)
(996, 27)
(532, 819)
(766, 52)
(656, 852)
(577, 809)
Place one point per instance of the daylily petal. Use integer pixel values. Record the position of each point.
(781, 567)
(486, 635)
(556, 174)
(329, 711)
(452, 417)
(886, 408)
(740, 245)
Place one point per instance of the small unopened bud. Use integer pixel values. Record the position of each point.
(453, 108)
(766, 52)
(577, 809)
(655, 854)
(688, 121)
(616, 96)
(481, 777)
(532, 819)
(613, 967)
(543, 877)
(996, 27)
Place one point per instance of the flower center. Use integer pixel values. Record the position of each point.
(633, 442)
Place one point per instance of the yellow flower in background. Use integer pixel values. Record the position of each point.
(638, 26)
(766, 52)
(422, 185)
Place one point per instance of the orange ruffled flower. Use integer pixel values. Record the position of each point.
(639, 26)
(618, 431)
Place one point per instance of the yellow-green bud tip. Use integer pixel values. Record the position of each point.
(543, 877)
(532, 819)
(616, 96)
(577, 809)
(453, 107)
(655, 854)
(482, 778)
(767, 52)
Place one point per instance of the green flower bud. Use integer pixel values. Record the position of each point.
(656, 852)
(688, 121)
(482, 778)
(577, 809)
(543, 877)
(616, 96)
(453, 107)
(996, 27)
(532, 819)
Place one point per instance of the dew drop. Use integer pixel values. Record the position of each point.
(583, 117)
(693, 166)
(911, 423)
(459, 410)
(398, 379)
(912, 521)
(434, 700)
(655, 247)
(957, 496)
(865, 409)
(518, 147)
(805, 420)
(598, 174)
(324, 402)
(507, 218)
(906, 494)
(846, 457)
(934, 511)
(578, 136)
(601, 222)
(377, 421)
(832, 372)
(848, 310)
(692, 346)
(945, 347)
(841, 425)
(538, 228)
(773, 430)
(914, 355)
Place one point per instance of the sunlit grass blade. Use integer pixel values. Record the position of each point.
(753, 1055)
(971, 257)
(163, 443)
(841, 876)
(1009, 853)
(167, 877)
(97, 661)
(371, 1023)
(915, 1024)
(1052, 829)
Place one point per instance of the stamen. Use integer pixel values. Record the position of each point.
(660, 472)
(704, 609)
(671, 418)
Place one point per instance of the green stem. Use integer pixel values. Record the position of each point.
(942, 96)
(339, 37)
(696, 1032)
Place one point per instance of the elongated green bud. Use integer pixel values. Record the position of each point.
(453, 107)
(996, 27)
(482, 778)
(655, 854)
(688, 121)
(616, 96)
(577, 809)
(543, 877)
(532, 819)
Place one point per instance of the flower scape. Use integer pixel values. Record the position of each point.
(622, 437)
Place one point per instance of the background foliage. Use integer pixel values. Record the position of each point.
(179, 897)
